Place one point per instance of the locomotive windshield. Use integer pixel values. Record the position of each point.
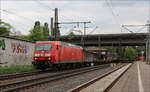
(43, 46)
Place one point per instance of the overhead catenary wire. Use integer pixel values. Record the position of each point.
(49, 8)
(10, 12)
(112, 12)
(21, 25)
(140, 29)
(128, 29)
(93, 30)
(22, 17)
(44, 5)
(113, 8)
(14, 28)
(131, 31)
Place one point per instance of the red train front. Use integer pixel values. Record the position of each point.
(54, 53)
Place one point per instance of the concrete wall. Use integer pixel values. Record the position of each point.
(15, 52)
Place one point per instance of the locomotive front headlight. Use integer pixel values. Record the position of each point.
(37, 54)
(47, 54)
(35, 58)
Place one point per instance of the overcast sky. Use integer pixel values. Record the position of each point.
(106, 16)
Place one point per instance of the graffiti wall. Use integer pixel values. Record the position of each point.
(2, 44)
(2, 48)
(15, 52)
(19, 48)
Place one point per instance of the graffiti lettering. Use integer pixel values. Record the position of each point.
(18, 48)
(2, 44)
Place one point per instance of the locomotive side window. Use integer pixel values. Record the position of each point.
(43, 46)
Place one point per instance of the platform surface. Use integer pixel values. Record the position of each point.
(136, 79)
(102, 84)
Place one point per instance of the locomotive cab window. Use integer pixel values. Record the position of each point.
(43, 46)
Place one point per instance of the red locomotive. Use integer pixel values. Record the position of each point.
(56, 54)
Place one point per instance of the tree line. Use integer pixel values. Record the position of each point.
(129, 52)
(37, 33)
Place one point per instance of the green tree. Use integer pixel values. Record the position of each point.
(25, 37)
(121, 51)
(45, 31)
(71, 34)
(4, 28)
(130, 53)
(39, 33)
(35, 33)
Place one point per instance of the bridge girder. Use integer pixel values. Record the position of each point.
(128, 39)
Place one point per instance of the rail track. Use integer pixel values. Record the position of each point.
(20, 85)
(85, 85)
(18, 75)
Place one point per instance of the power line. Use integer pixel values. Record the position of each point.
(13, 13)
(64, 17)
(93, 30)
(20, 24)
(25, 18)
(44, 5)
(112, 12)
(140, 29)
(125, 27)
(13, 28)
(113, 8)
(10, 12)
